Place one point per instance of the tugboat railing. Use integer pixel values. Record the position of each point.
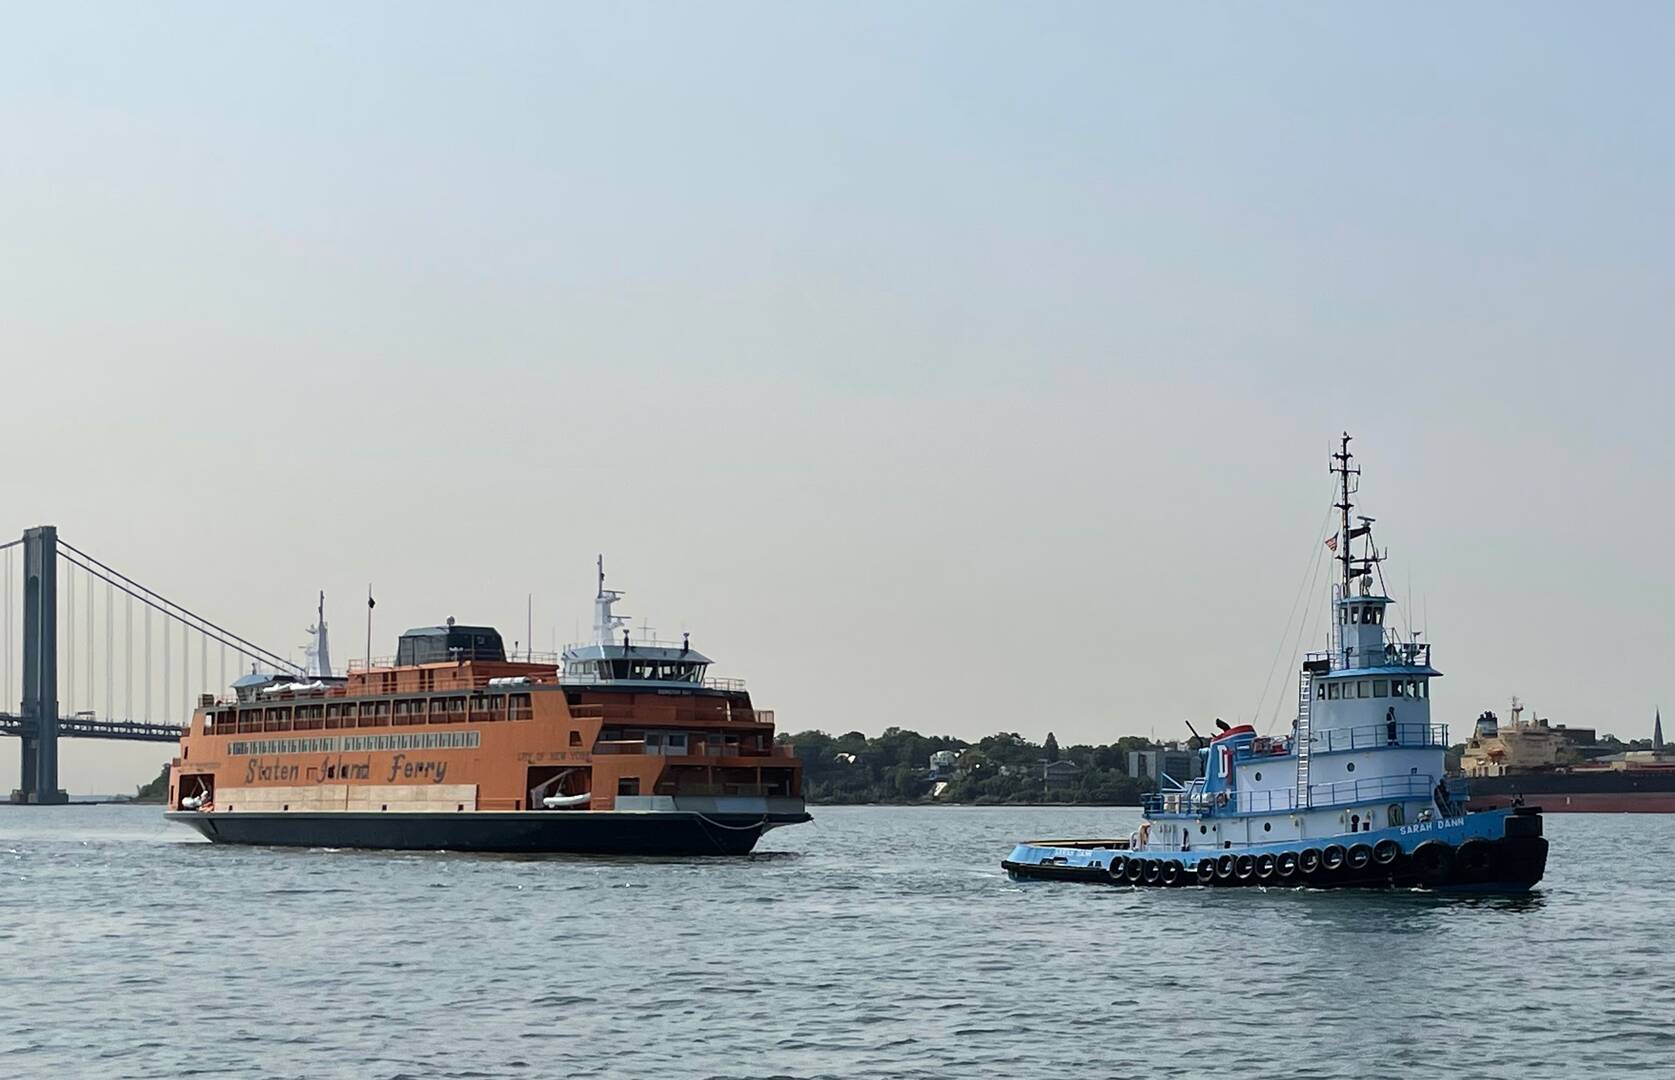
(1374, 736)
(1321, 796)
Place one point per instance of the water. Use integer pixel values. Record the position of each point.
(875, 942)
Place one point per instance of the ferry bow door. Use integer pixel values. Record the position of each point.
(559, 787)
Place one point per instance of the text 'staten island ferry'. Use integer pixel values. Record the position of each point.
(1356, 796)
(621, 747)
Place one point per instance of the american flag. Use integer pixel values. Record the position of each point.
(1332, 542)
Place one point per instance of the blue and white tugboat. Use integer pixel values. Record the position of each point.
(1355, 796)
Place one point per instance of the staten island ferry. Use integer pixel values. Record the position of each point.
(1355, 795)
(619, 745)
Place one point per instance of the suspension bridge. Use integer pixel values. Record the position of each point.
(64, 592)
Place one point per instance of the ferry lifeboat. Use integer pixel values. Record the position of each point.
(620, 745)
(1355, 795)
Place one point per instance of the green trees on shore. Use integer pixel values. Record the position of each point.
(898, 766)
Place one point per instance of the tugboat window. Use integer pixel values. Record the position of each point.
(1396, 688)
(1267, 826)
(1259, 776)
(1363, 688)
(1350, 766)
(1381, 688)
(1202, 829)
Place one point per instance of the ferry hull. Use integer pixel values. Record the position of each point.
(1508, 855)
(594, 832)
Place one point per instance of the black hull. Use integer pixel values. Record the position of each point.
(1622, 791)
(1514, 865)
(578, 832)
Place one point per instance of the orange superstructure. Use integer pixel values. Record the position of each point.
(611, 747)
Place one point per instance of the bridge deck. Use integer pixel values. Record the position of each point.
(85, 727)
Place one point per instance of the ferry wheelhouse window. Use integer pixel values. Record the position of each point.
(1381, 688)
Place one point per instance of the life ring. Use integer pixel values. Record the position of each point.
(1434, 861)
(1244, 866)
(1285, 864)
(1206, 871)
(1116, 870)
(1474, 858)
(1154, 870)
(1358, 857)
(1332, 858)
(1224, 868)
(1308, 860)
(1265, 864)
(1136, 868)
(1172, 871)
(1386, 851)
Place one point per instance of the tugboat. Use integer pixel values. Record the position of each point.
(615, 747)
(1355, 796)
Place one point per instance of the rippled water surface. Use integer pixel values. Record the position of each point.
(874, 942)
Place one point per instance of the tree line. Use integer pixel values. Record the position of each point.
(1002, 768)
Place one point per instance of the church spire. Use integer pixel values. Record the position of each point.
(1657, 730)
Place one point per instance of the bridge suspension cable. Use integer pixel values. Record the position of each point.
(188, 619)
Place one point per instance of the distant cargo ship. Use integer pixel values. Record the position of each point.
(1531, 761)
(615, 747)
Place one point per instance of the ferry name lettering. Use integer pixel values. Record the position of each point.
(260, 769)
(338, 769)
(433, 771)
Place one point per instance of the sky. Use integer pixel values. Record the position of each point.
(959, 367)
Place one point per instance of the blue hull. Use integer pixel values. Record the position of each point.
(1497, 851)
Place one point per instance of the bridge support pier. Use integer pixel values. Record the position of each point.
(40, 668)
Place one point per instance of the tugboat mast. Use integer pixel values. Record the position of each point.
(1342, 459)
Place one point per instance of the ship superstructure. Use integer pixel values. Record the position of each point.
(616, 746)
(1356, 793)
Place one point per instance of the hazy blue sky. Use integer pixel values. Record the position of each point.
(953, 366)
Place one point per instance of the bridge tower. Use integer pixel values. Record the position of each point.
(40, 668)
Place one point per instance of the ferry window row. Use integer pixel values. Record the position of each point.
(453, 709)
(349, 744)
(681, 671)
(1348, 689)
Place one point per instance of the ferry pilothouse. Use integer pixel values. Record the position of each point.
(1356, 795)
(616, 746)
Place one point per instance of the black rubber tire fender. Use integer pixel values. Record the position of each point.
(1115, 870)
(1225, 867)
(1173, 871)
(1244, 867)
(1386, 852)
(1285, 864)
(1475, 859)
(1265, 864)
(1358, 857)
(1154, 871)
(1135, 870)
(1434, 861)
(1308, 860)
(1206, 871)
(1333, 857)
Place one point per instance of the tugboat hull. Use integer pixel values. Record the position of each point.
(594, 832)
(1492, 852)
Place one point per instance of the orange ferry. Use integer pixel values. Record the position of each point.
(616, 746)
